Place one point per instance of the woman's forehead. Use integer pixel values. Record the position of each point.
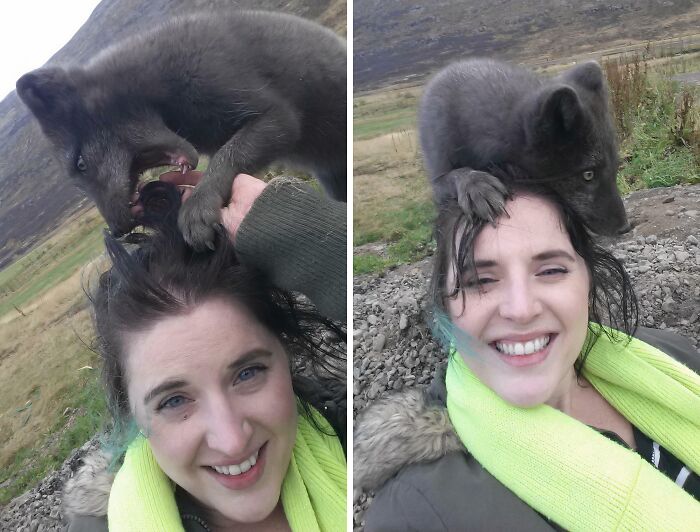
(212, 333)
(532, 223)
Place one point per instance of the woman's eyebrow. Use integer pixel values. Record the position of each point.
(163, 387)
(543, 255)
(249, 357)
(485, 263)
(554, 254)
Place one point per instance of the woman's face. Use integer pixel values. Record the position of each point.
(526, 303)
(212, 391)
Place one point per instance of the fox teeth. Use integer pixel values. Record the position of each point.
(237, 469)
(519, 348)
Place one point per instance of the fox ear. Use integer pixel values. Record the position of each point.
(49, 94)
(588, 75)
(557, 115)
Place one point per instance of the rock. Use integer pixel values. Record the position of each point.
(378, 343)
(693, 241)
(682, 256)
(670, 199)
(374, 390)
(403, 322)
(668, 304)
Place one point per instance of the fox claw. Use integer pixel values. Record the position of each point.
(198, 218)
(480, 194)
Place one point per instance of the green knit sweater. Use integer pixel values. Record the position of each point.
(297, 236)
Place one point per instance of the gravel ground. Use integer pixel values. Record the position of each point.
(393, 347)
(39, 510)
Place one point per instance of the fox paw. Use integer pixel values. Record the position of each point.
(479, 194)
(199, 217)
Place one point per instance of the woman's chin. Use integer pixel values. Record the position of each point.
(253, 514)
(525, 394)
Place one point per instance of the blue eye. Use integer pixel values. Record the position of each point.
(248, 373)
(172, 402)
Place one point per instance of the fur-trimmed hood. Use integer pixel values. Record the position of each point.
(402, 429)
(87, 491)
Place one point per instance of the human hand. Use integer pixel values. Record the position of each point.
(244, 191)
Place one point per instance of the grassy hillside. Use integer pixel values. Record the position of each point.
(658, 122)
(50, 401)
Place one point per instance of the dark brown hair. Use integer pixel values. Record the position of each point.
(161, 276)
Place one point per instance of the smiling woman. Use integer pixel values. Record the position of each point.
(231, 405)
(542, 419)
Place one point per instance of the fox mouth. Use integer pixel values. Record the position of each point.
(150, 160)
(140, 175)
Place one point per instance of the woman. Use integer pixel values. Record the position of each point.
(543, 419)
(221, 375)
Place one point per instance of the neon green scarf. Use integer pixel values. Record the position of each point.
(313, 491)
(569, 472)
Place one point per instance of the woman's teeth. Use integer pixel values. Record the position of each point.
(519, 348)
(237, 469)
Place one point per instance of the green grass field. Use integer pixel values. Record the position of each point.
(50, 398)
(50, 263)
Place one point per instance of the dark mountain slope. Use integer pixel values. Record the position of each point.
(397, 40)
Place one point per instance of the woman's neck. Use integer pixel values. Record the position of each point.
(216, 522)
(275, 522)
(577, 398)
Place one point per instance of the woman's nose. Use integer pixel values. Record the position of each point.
(520, 302)
(228, 429)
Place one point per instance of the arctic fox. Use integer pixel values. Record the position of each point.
(481, 115)
(248, 88)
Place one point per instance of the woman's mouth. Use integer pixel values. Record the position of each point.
(242, 475)
(524, 353)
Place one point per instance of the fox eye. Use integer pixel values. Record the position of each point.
(80, 164)
(588, 175)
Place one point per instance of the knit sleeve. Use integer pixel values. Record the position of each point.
(297, 236)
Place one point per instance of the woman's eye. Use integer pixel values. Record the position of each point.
(552, 271)
(172, 402)
(478, 282)
(250, 373)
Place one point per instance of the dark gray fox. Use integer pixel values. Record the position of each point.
(248, 88)
(480, 115)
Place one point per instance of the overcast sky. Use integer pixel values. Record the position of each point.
(34, 30)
